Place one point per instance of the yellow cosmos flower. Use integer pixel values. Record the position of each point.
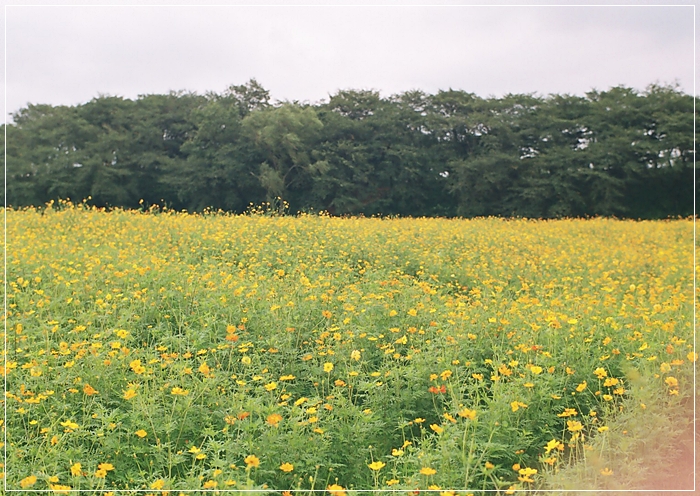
(467, 413)
(27, 481)
(76, 469)
(428, 471)
(436, 428)
(336, 490)
(141, 433)
(286, 467)
(106, 466)
(178, 391)
(158, 484)
(327, 367)
(671, 381)
(129, 394)
(210, 484)
(574, 426)
(60, 489)
(69, 424)
(376, 465)
(252, 461)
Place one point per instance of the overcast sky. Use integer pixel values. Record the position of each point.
(70, 54)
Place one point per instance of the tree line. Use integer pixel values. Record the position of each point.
(619, 152)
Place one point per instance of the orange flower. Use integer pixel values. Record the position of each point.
(89, 390)
(274, 419)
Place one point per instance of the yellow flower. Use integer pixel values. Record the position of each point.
(252, 461)
(467, 413)
(158, 484)
(286, 467)
(489, 465)
(327, 367)
(428, 471)
(600, 373)
(391, 482)
(671, 381)
(525, 474)
(245, 360)
(60, 489)
(397, 452)
(582, 387)
(553, 444)
(178, 391)
(100, 473)
(574, 426)
(69, 424)
(106, 466)
(76, 469)
(535, 369)
(141, 433)
(204, 369)
(137, 367)
(436, 428)
(210, 484)
(376, 465)
(336, 490)
(606, 471)
(611, 381)
(355, 355)
(129, 394)
(28, 481)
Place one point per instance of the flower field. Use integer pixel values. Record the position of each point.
(165, 351)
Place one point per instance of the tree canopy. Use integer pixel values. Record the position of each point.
(619, 152)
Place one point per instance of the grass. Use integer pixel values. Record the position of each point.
(166, 351)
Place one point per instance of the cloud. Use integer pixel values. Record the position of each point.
(68, 55)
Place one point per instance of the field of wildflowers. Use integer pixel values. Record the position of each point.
(167, 351)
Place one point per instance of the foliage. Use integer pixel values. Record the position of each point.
(160, 350)
(609, 153)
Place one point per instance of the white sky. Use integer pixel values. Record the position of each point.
(70, 54)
